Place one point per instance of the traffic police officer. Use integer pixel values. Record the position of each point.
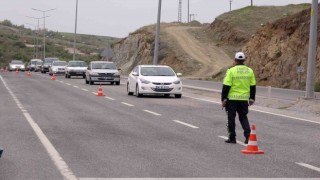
(238, 92)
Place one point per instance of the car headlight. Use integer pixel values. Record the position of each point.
(177, 81)
(144, 81)
(22, 66)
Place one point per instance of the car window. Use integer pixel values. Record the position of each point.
(77, 64)
(50, 60)
(16, 62)
(104, 66)
(59, 63)
(157, 71)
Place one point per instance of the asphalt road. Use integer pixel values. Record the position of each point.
(61, 130)
(266, 92)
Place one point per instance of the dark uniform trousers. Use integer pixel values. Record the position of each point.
(240, 107)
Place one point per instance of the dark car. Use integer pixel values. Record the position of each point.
(47, 63)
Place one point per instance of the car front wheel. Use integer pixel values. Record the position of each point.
(177, 95)
(128, 90)
(137, 91)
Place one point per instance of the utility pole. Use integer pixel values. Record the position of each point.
(312, 51)
(251, 2)
(188, 11)
(180, 11)
(44, 29)
(38, 29)
(156, 48)
(230, 5)
(75, 33)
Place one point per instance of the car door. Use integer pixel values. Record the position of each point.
(133, 78)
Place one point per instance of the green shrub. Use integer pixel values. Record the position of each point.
(317, 87)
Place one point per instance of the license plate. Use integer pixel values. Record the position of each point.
(79, 72)
(162, 87)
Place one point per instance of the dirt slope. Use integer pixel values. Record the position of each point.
(211, 58)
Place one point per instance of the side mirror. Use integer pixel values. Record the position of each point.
(134, 73)
(179, 74)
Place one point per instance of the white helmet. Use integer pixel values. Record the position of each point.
(240, 56)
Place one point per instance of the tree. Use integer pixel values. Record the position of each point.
(6, 23)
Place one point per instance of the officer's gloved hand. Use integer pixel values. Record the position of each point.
(251, 102)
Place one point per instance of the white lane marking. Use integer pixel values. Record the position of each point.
(265, 112)
(94, 93)
(127, 104)
(308, 166)
(53, 153)
(239, 142)
(110, 98)
(154, 113)
(186, 124)
(68, 84)
(85, 90)
(61, 82)
(76, 86)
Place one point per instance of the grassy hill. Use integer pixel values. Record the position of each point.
(17, 42)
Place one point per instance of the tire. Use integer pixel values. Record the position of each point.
(128, 90)
(167, 95)
(118, 83)
(68, 76)
(178, 95)
(84, 76)
(87, 82)
(90, 82)
(112, 83)
(137, 91)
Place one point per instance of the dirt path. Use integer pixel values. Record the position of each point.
(210, 56)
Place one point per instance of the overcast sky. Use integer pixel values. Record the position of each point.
(117, 18)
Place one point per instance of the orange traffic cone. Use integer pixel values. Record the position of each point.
(29, 73)
(252, 147)
(17, 72)
(53, 77)
(100, 93)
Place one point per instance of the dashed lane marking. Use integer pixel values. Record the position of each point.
(110, 98)
(53, 153)
(154, 113)
(76, 86)
(127, 104)
(68, 84)
(186, 124)
(239, 142)
(85, 90)
(308, 166)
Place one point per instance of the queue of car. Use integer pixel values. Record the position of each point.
(143, 79)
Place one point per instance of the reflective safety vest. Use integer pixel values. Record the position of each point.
(239, 78)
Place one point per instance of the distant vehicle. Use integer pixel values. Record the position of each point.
(58, 67)
(37, 66)
(17, 65)
(76, 68)
(47, 63)
(153, 79)
(32, 64)
(102, 71)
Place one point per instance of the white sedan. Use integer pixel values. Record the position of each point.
(154, 79)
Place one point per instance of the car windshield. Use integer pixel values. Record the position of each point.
(34, 62)
(59, 63)
(157, 71)
(50, 60)
(77, 64)
(103, 66)
(16, 62)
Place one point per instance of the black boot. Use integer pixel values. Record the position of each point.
(246, 141)
(231, 141)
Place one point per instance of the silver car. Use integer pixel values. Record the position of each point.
(102, 71)
(17, 65)
(76, 68)
(57, 67)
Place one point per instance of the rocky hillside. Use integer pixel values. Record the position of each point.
(138, 48)
(279, 48)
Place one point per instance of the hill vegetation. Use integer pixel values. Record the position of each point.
(17, 42)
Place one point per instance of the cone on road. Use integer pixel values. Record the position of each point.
(100, 93)
(252, 147)
(17, 72)
(29, 73)
(53, 77)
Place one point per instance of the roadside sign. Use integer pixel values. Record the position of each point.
(300, 69)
